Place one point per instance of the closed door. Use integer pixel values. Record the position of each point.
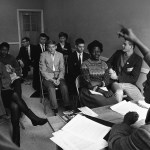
(31, 25)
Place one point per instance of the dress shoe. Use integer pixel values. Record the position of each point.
(35, 119)
(55, 111)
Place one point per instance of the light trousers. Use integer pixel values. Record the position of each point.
(128, 89)
(52, 93)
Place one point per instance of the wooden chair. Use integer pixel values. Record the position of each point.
(78, 86)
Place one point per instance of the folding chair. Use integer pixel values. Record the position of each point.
(78, 85)
(43, 92)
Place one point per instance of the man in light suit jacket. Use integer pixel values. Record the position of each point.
(26, 56)
(74, 64)
(52, 69)
(126, 68)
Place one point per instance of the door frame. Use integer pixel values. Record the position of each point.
(18, 21)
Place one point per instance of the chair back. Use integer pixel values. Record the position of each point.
(78, 83)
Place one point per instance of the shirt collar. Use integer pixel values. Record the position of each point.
(79, 54)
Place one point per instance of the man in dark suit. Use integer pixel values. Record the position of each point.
(26, 56)
(38, 50)
(63, 46)
(126, 68)
(74, 64)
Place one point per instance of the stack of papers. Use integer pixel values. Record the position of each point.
(125, 107)
(81, 133)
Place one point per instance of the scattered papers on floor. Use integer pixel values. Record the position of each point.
(87, 111)
(81, 133)
(125, 107)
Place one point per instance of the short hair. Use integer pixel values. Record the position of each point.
(26, 38)
(131, 43)
(44, 35)
(63, 34)
(93, 44)
(4, 44)
(79, 41)
(50, 42)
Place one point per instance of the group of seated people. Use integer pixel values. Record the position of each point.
(119, 75)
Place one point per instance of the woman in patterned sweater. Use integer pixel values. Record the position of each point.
(95, 75)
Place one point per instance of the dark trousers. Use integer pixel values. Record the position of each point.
(16, 85)
(10, 101)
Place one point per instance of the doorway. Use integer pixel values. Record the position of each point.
(30, 24)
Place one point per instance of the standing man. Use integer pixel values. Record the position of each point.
(74, 64)
(25, 56)
(126, 68)
(52, 69)
(41, 47)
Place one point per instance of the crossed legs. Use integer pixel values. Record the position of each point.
(17, 105)
(129, 89)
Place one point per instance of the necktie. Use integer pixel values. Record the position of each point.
(43, 47)
(28, 52)
(80, 59)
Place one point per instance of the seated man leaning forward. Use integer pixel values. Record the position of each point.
(52, 69)
(126, 67)
(124, 137)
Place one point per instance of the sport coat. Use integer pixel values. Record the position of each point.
(130, 71)
(23, 55)
(64, 52)
(46, 65)
(74, 67)
(37, 53)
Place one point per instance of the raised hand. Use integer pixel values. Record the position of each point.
(127, 34)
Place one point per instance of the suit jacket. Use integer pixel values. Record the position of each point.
(23, 55)
(64, 52)
(46, 65)
(131, 70)
(74, 67)
(37, 52)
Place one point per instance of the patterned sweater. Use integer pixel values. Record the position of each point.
(95, 73)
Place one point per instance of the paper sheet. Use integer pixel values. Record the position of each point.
(76, 143)
(124, 107)
(144, 104)
(84, 127)
(98, 93)
(87, 111)
(81, 133)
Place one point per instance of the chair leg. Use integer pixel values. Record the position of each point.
(44, 104)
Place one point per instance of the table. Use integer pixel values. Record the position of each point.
(105, 113)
